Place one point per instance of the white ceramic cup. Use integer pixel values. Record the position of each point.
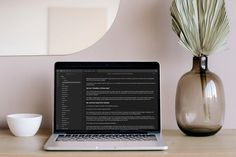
(24, 124)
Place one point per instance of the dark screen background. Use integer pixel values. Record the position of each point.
(107, 99)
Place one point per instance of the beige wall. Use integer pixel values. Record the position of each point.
(142, 31)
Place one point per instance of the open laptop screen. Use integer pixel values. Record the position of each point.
(107, 97)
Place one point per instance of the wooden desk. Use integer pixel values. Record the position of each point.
(221, 145)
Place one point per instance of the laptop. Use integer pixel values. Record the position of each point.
(106, 106)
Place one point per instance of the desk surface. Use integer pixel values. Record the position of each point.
(222, 144)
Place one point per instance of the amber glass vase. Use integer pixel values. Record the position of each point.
(200, 104)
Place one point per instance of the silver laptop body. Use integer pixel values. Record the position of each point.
(106, 106)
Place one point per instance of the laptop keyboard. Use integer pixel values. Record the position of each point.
(105, 137)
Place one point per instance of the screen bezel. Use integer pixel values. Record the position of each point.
(107, 65)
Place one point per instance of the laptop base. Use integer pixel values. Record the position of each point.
(52, 144)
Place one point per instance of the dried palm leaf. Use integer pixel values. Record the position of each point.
(201, 25)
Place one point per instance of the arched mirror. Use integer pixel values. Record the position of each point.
(53, 27)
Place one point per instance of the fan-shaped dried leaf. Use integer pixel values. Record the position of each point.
(201, 25)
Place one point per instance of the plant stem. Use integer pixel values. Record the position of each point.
(203, 85)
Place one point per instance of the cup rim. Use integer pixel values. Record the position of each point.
(24, 115)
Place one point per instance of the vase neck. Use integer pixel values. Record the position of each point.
(200, 63)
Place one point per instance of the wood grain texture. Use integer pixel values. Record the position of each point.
(222, 144)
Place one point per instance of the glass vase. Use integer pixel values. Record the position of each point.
(200, 104)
